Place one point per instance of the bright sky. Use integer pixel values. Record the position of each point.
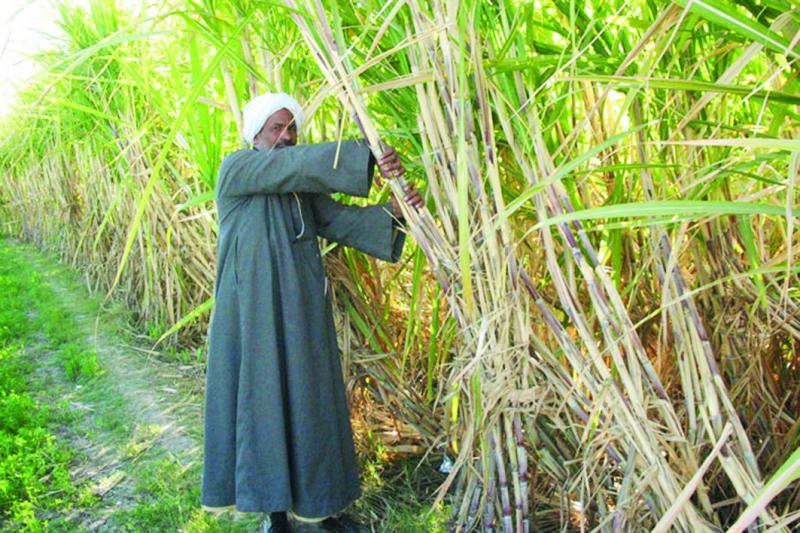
(26, 26)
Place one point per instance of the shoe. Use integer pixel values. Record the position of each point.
(277, 523)
(342, 523)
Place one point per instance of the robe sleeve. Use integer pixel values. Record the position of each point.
(300, 169)
(372, 229)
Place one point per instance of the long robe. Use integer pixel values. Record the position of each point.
(277, 427)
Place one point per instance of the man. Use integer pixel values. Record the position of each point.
(277, 427)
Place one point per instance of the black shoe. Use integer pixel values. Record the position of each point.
(342, 523)
(278, 523)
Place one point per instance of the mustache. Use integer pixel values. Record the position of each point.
(283, 144)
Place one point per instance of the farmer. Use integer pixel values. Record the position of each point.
(277, 427)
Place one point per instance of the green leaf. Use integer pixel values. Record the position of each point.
(676, 208)
(162, 156)
(685, 85)
(200, 199)
(749, 241)
(565, 169)
(190, 317)
(726, 16)
(791, 145)
(788, 472)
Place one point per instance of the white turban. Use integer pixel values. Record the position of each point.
(260, 108)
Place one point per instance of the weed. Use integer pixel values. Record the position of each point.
(398, 494)
(56, 323)
(34, 471)
(34, 465)
(78, 362)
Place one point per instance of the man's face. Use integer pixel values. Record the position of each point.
(279, 131)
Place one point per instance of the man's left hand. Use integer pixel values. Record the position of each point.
(391, 167)
(390, 164)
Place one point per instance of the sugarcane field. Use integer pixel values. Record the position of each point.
(400, 266)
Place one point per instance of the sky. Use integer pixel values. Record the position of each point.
(25, 28)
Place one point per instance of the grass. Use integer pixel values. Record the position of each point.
(167, 498)
(399, 495)
(34, 462)
(37, 492)
(34, 473)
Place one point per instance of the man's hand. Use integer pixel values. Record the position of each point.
(412, 198)
(390, 165)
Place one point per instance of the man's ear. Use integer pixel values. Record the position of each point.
(258, 135)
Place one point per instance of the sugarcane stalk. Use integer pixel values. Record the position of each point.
(491, 485)
(523, 475)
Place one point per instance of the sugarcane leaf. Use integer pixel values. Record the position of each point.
(199, 311)
(133, 231)
(666, 208)
(790, 145)
(199, 199)
(728, 17)
(683, 85)
(565, 169)
(751, 249)
(787, 473)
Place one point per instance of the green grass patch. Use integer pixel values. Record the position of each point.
(399, 493)
(36, 492)
(168, 497)
(79, 363)
(34, 463)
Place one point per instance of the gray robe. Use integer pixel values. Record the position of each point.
(277, 427)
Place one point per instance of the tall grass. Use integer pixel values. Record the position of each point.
(598, 319)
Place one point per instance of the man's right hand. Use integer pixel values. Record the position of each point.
(412, 197)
